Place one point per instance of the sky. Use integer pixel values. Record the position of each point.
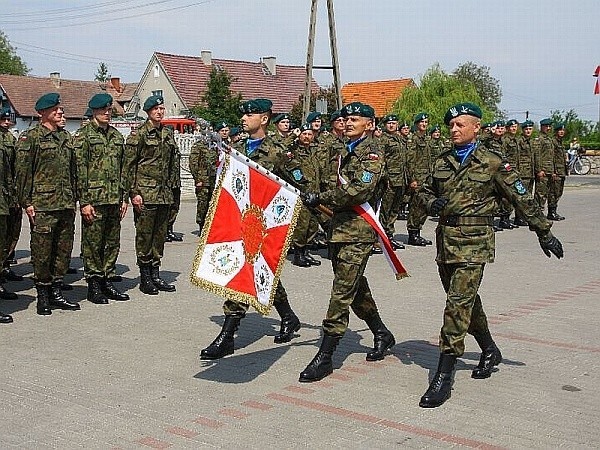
(543, 52)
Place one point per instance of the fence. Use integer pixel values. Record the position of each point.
(185, 143)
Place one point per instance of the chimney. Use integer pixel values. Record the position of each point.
(55, 79)
(115, 82)
(270, 63)
(206, 56)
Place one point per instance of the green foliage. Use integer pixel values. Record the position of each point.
(102, 74)
(585, 131)
(436, 92)
(219, 102)
(328, 93)
(10, 62)
(486, 86)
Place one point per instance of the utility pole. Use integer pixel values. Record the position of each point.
(310, 56)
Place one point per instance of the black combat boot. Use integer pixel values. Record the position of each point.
(383, 339)
(7, 295)
(299, 258)
(9, 275)
(160, 284)
(57, 300)
(490, 356)
(504, 223)
(396, 244)
(441, 386)
(111, 291)
(43, 300)
(172, 236)
(94, 292)
(321, 365)
(223, 343)
(519, 221)
(289, 322)
(146, 284)
(553, 215)
(310, 258)
(5, 318)
(414, 238)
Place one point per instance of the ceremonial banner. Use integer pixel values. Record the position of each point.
(247, 233)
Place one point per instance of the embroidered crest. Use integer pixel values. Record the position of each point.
(520, 188)
(224, 260)
(281, 209)
(297, 174)
(263, 279)
(254, 232)
(239, 184)
(366, 177)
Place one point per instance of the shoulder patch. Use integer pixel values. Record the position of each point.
(366, 177)
(520, 187)
(297, 174)
(507, 167)
(373, 156)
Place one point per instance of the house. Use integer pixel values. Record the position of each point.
(21, 93)
(381, 95)
(182, 81)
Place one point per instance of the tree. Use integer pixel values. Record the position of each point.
(219, 102)
(102, 74)
(10, 62)
(585, 131)
(486, 85)
(436, 92)
(327, 93)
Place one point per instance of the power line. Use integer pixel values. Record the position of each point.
(47, 12)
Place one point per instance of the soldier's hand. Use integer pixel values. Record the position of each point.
(30, 211)
(123, 209)
(138, 203)
(413, 185)
(437, 206)
(551, 245)
(310, 199)
(88, 213)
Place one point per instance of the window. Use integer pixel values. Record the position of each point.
(156, 71)
(157, 92)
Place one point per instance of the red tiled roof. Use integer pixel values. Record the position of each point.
(381, 95)
(23, 92)
(190, 75)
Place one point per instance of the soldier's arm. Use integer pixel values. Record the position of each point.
(130, 165)
(194, 160)
(82, 159)
(24, 169)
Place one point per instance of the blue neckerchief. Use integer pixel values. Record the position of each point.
(252, 145)
(350, 146)
(462, 152)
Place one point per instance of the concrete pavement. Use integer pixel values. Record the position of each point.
(127, 375)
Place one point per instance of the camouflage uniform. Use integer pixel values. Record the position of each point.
(46, 179)
(556, 183)
(6, 187)
(15, 213)
(152, 160)
(545, 163)
(204, 157)
(99, 154)
(523, 160)
(394, 149)
(351, 237)
(419, 162)
(464, 235)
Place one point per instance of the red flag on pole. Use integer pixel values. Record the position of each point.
(597, 87)
(597, 71)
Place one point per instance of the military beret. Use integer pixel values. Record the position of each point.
(5, 113)
(47, 101)
(305, 127)
(486, 125)
(404, 124)
(461, 109)
(88, 113)
(500, 123)
(434, 128)
(234, 131)
(512, 122)
(257, 105)
(335, 115)
(100, 101)
(358, 109)
(546, 122)
(390, 118)
(559, 126)
(312, 116)
(421, 116)
(527, 124)
(279, 117)
(152, 101)
(220, 125)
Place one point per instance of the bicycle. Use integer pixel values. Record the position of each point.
(579, 165)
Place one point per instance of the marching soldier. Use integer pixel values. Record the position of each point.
(152, 162)
(99, 151)
(557, 180)
(47, 183)
(463, 189)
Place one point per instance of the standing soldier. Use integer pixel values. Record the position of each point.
(404, 134)
(510, 149)
(283, 131)
(438, 144)
(544, 163)
(151, 163)
(420, 159)
(204, 159)
(463, 189)
(262, 149)
(557, 180)
(46, 183)
(99, 151)
(362, 169)
(524, 161)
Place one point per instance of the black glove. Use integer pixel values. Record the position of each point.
(310, 199)
(437, 206)
(551, 246)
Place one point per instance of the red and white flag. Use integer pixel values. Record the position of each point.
(597, 84)
(247, 233)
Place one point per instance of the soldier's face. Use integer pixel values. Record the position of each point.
(102, 115)
(404, 131)
(422, 125)
(527, 131)
(513, 129)
(391, 126)
(157, 113)
(544, 128)
(339, 124)
(53, 116)
(357, 127)
(306, 138)
(561, 133)
(316, 124)
(224, 132)
(253, 122)
(283, 125)
(5, 123)
(464, 129)
(436, 134)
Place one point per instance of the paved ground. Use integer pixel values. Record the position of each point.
(127, 375)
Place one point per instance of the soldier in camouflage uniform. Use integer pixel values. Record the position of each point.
(419, 162)
(524, 162)
(556, 183)
(362, 179)
(283, 133)
(262, 149)
(438, 144)
(174, 209)
(151, 164)
(46, 178)
(99, 152)
(404, 134)
(204, 158)
(544, 162)
(509, 148)
(463, 189)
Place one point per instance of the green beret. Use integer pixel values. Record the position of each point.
(358, 109)
(47, 101)
(258, 105)
(279, 117)
(88, 113)
(546, 122)
(390, 118)
(306, 127)
(404, 124)
(434, 128)
(486, 125)
(559, 126)
(221, 125)
(335, 115)
(152, 101)
(461, 109)
(421, 116)
(100, 101)
(234, 131)
(527, 124)
(500, 123)
(312, 116)
(5, 113)
(512, 122)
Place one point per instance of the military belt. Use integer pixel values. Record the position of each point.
(457, 221)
